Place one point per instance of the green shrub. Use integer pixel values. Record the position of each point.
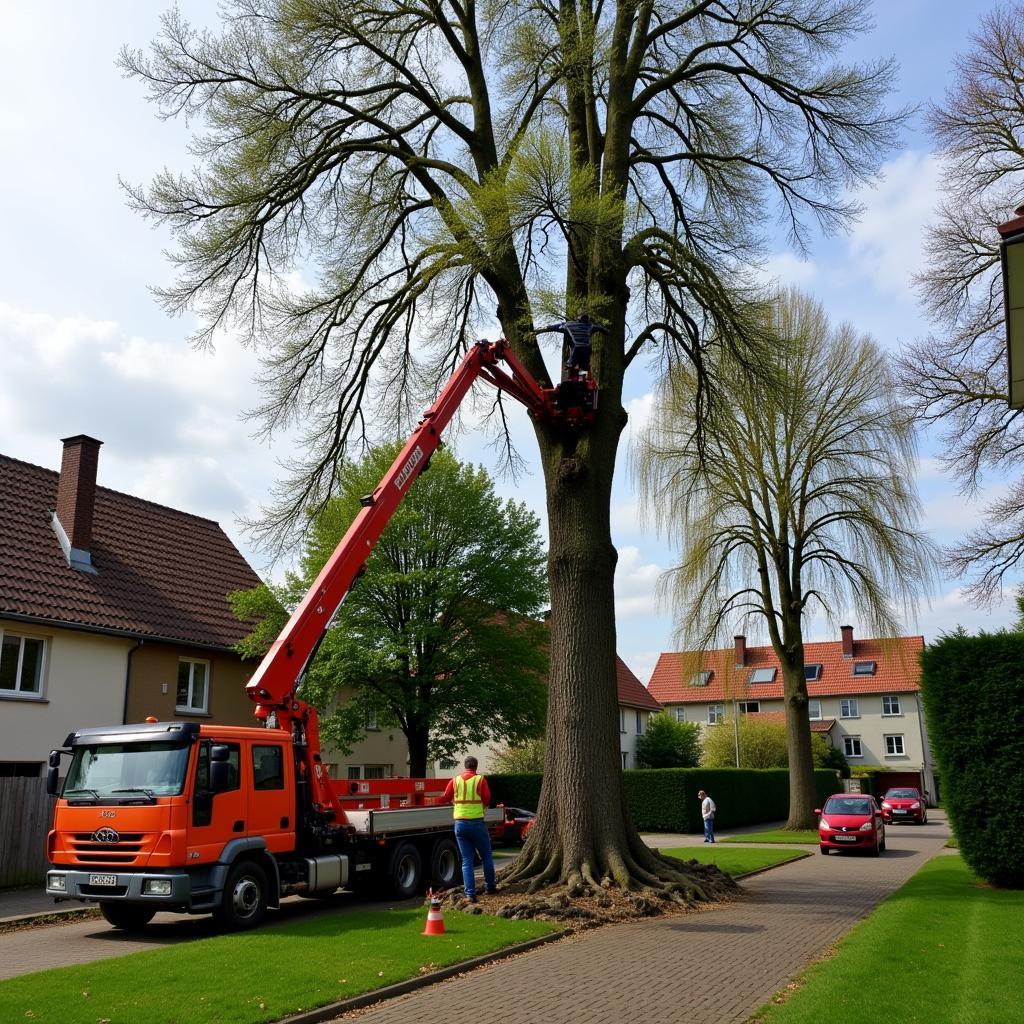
(668, 743)
(973, 689)
(665, 799)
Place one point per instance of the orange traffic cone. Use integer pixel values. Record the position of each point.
(435, 919)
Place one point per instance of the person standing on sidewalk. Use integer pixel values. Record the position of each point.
(707, 812)
(470, 795)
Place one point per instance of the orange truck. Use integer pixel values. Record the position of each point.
(230, 819)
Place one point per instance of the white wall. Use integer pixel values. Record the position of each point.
(82, 685)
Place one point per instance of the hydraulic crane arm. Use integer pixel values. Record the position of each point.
(274, 683)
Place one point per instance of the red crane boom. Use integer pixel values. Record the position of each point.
(274, 683)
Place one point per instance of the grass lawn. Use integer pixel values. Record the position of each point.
(735, 862)
(949, 944)
(808, 835)
(261, 975)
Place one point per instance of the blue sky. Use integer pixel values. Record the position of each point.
(86, 349)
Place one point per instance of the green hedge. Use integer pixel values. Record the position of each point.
(665, 799)
(973, 689)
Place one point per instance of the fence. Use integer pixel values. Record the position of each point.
(26, 813)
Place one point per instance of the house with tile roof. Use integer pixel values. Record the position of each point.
(865, 696)
(112, 608)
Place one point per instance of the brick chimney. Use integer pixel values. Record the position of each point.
(847, 633)
(76, 499)
(739, 646)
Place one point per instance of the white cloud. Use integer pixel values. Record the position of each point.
(635, 583)
(786, 268)
(885, 243)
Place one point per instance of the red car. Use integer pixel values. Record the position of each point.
(851, 821)
(905, 804)
(513, 828)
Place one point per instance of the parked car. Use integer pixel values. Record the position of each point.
(905, 804)
(516, 822)
(851, 821)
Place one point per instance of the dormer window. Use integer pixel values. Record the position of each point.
(864, 668)
(701, 678)
(812, 673)
(762, 675)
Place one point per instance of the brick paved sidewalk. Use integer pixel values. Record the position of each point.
(713, 967)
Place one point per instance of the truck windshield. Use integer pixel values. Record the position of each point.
(119, 771)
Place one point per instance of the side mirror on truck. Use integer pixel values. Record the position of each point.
(53, 773)
(220, 770)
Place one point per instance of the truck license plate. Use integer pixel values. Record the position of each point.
(103, 879)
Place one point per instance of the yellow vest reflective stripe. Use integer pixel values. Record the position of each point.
(468, 803)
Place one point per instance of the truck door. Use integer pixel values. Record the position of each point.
(272, 803)
(216, 819)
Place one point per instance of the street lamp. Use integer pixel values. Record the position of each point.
(1011, 258)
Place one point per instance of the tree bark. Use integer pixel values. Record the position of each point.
(802, 791)
(418, 738)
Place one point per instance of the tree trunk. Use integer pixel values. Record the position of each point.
(418, 738)
(803, 793)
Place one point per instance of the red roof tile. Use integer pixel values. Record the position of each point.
(898, 670)
(632, 692)
(779, 717)
(160, 572)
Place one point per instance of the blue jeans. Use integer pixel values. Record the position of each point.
(709, 830)
(471, 835)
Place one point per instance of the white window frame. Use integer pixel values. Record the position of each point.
(371, 720)
(18, 693)
(817, 674)
(701, 678)
(895, 737)
(625, 759)
(639, 723)
(190, 708)
(622, 720)
(849, 707)
(751, 681)
(679, 713)
(849, 742)
(716, 713)
(899, 709)
(813, 703)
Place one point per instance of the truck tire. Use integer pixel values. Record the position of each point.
(405, 871)
(127, 916)
(445, 863)
(244, 902)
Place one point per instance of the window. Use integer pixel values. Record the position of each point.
(680, 714)
(267, 767)
(701, 678)
(622, 719)
(378, 771)
(716, 713)
(894, 746)
(625, 760)
(202, 803)
(371, 720)
(890, 705)
(762, 675)
(864, 668)
(812, 673)
(851, 746)
(749, 707)
(355, 771)
(814, 710)
(21, 664)
(193, 689)
(639, 723)
(849, 708)
(20, 769)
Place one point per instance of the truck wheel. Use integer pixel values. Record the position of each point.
(245, 897)
(445, 863)
(127, 916)
(405, 873)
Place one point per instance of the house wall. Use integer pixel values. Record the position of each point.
(153, 685)
(385, 747)
(632, 723)
(83, 681)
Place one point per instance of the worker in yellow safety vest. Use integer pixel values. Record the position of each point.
(470, 795)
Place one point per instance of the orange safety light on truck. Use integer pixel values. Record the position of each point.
(224, 819)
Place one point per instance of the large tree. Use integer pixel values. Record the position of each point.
(957, 376)
(426, 163)
(791, 500)
(441, 635)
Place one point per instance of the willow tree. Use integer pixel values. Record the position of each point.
(956, 377)
(426, 164)
(788, 501)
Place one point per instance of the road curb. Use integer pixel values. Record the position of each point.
(402, 988)
(43, 915)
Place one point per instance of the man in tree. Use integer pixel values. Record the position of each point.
(441, 635)
(789, 499)
(958, 376)
(432, 161)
